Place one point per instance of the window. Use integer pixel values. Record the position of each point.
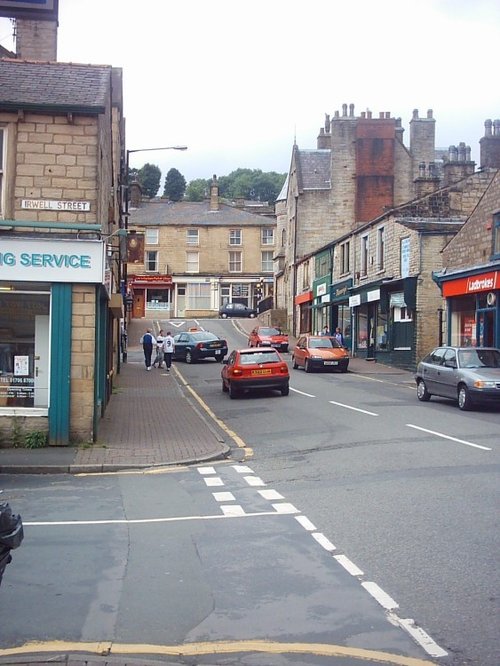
(192, 262)
(364, 255)
(283, 237)
(192, 237)
(2, 161)
(235, 237)
(235, 263)
(151, 261)
(198, 296)
(345, 257)
(267, 236)
(267, 262)
(402, 314)
(496, 234)
(380, 248)
(151, 236)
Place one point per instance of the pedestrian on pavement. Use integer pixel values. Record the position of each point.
(325, 331)
(338, 335)
(147, 342)
(168, 350)
(159, 350)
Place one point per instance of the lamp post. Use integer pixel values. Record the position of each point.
(125, 207)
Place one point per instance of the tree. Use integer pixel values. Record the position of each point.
(197, 190)
(175, 185)
(252, 184)
(149, 177)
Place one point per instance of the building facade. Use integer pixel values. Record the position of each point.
(189, 259)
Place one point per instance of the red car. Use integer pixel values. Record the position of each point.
(254, 368)
(317, 352)
(268, 336)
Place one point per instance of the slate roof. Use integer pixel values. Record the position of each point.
(57, 86)
(192, 214)
(314, 169)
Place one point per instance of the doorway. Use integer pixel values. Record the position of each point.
(486, 328)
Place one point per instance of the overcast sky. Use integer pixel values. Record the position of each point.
(236, 82)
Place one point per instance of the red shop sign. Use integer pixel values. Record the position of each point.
(472, 284)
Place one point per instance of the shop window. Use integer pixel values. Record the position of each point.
(158, 299)
(198, 296)
(151, 236)
(235, 237)
(192, 237)
(267, 236)
(235, 262)
(267, 262)
(192, 262)
(381, 335)
(463, 321)
(24, 349)
(151, 261)
(496, 235)
(362, 330)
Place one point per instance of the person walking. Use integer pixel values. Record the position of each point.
(338, 336)
(147, 342)
(159, 350)
(325, 331)
(168, 350)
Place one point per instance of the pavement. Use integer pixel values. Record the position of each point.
(152, 419)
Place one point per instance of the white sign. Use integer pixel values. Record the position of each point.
(355, 300)
(321, 289)
(48, 204)
(405, 257)
(373, 295)
(45, 260)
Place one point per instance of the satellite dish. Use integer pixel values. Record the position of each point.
(491, 298)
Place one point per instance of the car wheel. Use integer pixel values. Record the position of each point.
(224, 315)
(224, 387)
(307, 366)
(285, 349)
(295, 366)
(189, 356)
(464, 399)
(233, 391)
(285, 390)
(219, 359)
(252, 316)
(343, 368)
(422, 392)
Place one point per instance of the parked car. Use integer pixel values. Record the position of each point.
(193, 346)
(236, 310)
(255, 368)
(320, 352)
(11, 535)
(470, 375)
(268, 336)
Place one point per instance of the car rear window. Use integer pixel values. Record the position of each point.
(203, 335)
(259, 357)
(269, 331)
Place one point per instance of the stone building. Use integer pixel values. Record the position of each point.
(60, 152)
(188, 259)
(470, 275)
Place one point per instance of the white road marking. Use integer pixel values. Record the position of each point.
(308, 395)
(214, 481)
(348, 565)
(306, 523)
(356, 409)
(379, 595)
(419, 635)
(270, 494)
(285, 507)
(223, 497)
(206, 470)
(243, 469)
(323, 541)
(232, 510)
(254, 481)
(453, 439)
(177, 324)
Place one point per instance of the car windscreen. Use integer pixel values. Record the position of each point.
(259, 357)
(479, 358)
(323, 343)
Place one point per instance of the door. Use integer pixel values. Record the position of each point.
(41, 364)
(138, 308)
(486, 328)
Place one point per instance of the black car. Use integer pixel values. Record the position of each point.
(237, 310)
(195, 345)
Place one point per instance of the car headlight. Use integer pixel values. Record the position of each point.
(482, 384)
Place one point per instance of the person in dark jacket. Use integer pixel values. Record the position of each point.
(147, 342)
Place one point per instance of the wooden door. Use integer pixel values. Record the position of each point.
(139, 309)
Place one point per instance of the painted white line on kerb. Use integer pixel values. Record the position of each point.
(323, 541)
(348, 565)
(254, 481)
(214, 481)
(308, 395)
(306, 523)
(285, 507)
(242, 469)
(356, 409)
(232, 510)
(270, 494)
(206, 470)
(422, 638)
(379, 595)
(453, 439)
(223, 497)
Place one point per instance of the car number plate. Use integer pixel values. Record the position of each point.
(218, 351)
(331, 362)
(263, 371)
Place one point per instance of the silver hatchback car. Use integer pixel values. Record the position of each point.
(470, 375)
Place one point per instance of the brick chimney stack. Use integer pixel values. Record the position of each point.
(490, 145)
(36, 40)
(214, 194)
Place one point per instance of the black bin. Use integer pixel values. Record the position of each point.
(11, 535)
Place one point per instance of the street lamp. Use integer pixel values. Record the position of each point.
(124, 225)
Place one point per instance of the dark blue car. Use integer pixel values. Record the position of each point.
(195, 345)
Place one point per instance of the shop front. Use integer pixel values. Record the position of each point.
(321, 304)
(54, 336)
(152, 296)
(341, 312)
(473, 308)
(303, 302)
